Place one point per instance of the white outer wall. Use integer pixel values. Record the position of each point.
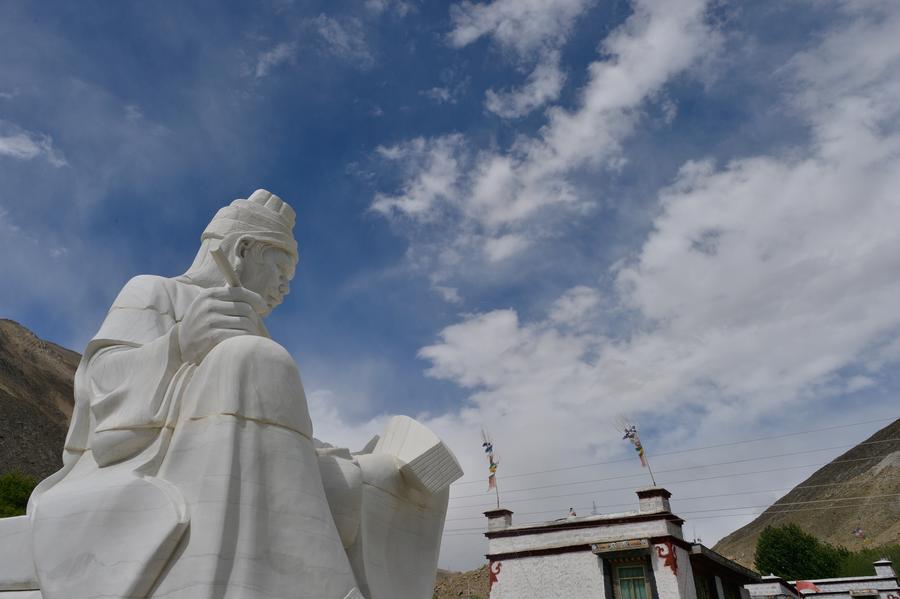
(577, 575)
(859, 585)
(668, 585)
(578, 536)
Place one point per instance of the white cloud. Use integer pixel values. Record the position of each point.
(543, 85)
(341, 38)
(576, 306)
(500, 248)
(21, 144)
(522, 26)
(332, 428)
(764, 282)
(449, 294)
(761, 279)
(484, 196)
(444, 95)
(280, 54)
(344, 39)
(439, 94)
(529, 30)
(470, 352)
(400, 7)
(858, 383)
(434, 165)
(133, 112)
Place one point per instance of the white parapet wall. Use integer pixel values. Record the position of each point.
(577, 575)
(595, 529)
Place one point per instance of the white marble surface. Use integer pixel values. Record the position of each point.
(390, 522)
(16, 565)
(402, 516)
(190, 466)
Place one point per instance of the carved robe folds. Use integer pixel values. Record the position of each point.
(203, 481)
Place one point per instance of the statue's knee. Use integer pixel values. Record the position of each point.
(246, 349)
(249, 376)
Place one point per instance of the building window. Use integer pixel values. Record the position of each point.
(631, 582)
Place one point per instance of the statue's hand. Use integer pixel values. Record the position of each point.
(218, 314)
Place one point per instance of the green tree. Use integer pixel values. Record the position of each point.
(859, 563)
(789, 552)
(15, 489)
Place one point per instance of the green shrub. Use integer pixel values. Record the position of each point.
(859, 563)
(789, 552)
(15, 489)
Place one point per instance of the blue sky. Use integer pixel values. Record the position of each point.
(536, 216)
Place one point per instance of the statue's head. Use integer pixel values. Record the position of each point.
(257, 237)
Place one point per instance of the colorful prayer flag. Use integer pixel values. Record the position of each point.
(631, 434)
(492, 463)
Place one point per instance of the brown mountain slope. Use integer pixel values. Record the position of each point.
(462, 585)
(36, 400)
(869, 473)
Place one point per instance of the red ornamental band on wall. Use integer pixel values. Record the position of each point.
(493, 572)
(671, 559)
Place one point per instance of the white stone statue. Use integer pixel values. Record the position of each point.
(190, 469)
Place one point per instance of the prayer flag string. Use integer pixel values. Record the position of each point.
(488, 447)
(631, 434)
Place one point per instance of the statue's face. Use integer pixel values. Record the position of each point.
(268, 273)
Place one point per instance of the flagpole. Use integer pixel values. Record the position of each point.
(652, 478)
(631, 433)
(497, 490)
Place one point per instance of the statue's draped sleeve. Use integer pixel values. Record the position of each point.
(122, 387)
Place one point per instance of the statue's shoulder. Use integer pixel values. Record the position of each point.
(146, 291)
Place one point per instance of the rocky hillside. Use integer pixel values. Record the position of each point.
(869, 473)
(36, 400)
(462, 585)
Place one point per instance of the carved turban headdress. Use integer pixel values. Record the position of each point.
(263, 216)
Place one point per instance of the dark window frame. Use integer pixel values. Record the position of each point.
(632, 562)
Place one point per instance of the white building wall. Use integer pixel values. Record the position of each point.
(769, 588)
(577, 536)
(859, 584)
(577, 575)
(668, 584)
